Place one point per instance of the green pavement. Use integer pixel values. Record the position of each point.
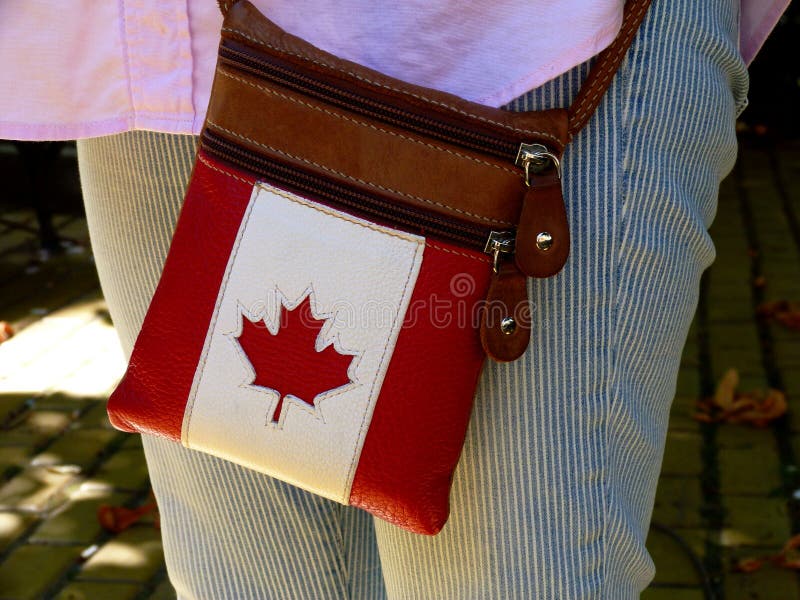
(727, 492)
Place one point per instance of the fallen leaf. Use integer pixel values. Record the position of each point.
(116, 519)
(789, 564)
(748, 565)
(783, 312)
(791, 544)
(726, 388)
(703, 417)
(787, 558)
(729, 406)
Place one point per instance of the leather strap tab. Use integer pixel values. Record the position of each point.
(506, 320)
(542, 242)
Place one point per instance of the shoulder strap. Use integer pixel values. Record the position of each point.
(604, 68)
(601, 73)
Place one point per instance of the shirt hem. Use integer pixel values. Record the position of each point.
(40, 132)
(546, 73)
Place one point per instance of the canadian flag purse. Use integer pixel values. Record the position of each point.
(350, 249)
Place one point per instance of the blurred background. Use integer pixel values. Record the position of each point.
(77, 518)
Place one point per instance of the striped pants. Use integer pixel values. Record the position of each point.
(554, 491)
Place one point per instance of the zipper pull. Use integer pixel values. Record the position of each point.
(542, 242)
(506, 319)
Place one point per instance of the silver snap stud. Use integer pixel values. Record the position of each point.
(544, 241)
(508, 325)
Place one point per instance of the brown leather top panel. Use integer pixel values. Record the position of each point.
(410, 167)
(381, 158)
(246, 24)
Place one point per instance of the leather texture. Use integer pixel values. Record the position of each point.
(389, 438)
(378, 157)
(507, 298)
(605, 67)
(543, 212)
(245, 23)
(418, 427)
(407, 166)
(359, 279)
(152, 395)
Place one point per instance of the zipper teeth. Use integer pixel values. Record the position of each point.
(337, 194)
(386, 113)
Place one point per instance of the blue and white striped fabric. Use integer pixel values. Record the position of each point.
(554, 491)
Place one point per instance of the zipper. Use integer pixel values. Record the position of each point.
(500, 245)
(532, 158)
(504, 339)
(535, 159)
(269, 69)
(343, 196)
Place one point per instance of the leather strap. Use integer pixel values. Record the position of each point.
(605, 67)
(602, 71)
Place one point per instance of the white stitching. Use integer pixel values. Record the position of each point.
(340, 215)
(223, 171)
(464, 254)
(337, 214)
(361, 181)
(361, 432)
(516, 173)
(394, 89)
(217, 304)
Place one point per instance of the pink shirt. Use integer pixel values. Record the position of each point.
(96, 68)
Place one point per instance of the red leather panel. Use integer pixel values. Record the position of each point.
(418, 427)
(288, 361)
(151, 398)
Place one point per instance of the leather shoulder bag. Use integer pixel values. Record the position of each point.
(350, 249)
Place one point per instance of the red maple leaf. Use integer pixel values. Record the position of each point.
(288, 362)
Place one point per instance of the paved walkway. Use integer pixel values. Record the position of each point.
(728, 491)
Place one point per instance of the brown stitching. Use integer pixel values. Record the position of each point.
(516, 173)
(223, 171)
(408, 237)
(341, 174)
(394, 89)
(464, 254)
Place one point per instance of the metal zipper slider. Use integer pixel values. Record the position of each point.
(505, 320)
(499, 243)
(535, 159)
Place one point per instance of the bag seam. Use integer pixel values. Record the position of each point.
(392, 88)
(208, 164)
(351, 178)
(336, 115)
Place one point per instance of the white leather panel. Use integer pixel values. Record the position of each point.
(360, 277)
